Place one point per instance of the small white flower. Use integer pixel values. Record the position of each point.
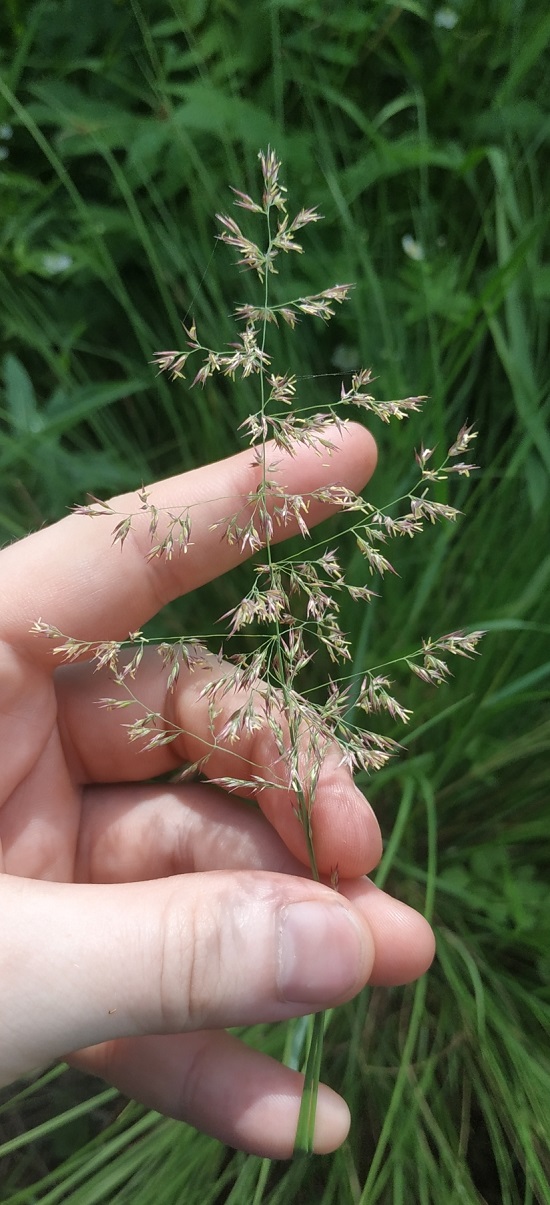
(445, 18)
(3, 153)
(54, 262)
(6, 132)
(412, 247)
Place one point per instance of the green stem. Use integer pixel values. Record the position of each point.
(305, 1130)
(303, 1143)
(306, 1120)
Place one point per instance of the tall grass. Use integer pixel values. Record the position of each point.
(128, 121)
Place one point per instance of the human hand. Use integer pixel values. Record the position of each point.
(139, 920)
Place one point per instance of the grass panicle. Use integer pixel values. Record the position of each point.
(118, 134)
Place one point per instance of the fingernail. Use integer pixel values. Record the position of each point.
(320, 952)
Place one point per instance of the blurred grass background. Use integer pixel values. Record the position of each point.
(121, 127)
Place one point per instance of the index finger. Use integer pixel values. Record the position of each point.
(76, 579)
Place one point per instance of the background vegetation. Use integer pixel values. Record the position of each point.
(121, 125)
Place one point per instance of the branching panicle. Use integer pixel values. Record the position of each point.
(294, 603)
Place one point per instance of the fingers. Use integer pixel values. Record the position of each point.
(345, 830)
(222, 1087)
(145, 832)
(73, 576)
(199, 951)
(237, 1094)
(404, 943)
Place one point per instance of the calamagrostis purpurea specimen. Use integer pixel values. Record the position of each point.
(292, 607)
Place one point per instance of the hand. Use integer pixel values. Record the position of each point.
(139, 920)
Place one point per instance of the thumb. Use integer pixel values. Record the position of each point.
(85, 963)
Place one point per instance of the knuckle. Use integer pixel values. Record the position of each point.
(190, 963)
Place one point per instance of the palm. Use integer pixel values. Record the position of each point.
(40, 801)
(59, 742)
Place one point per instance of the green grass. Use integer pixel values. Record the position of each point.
(128, 124)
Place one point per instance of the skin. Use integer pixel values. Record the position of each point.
(145, 919)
